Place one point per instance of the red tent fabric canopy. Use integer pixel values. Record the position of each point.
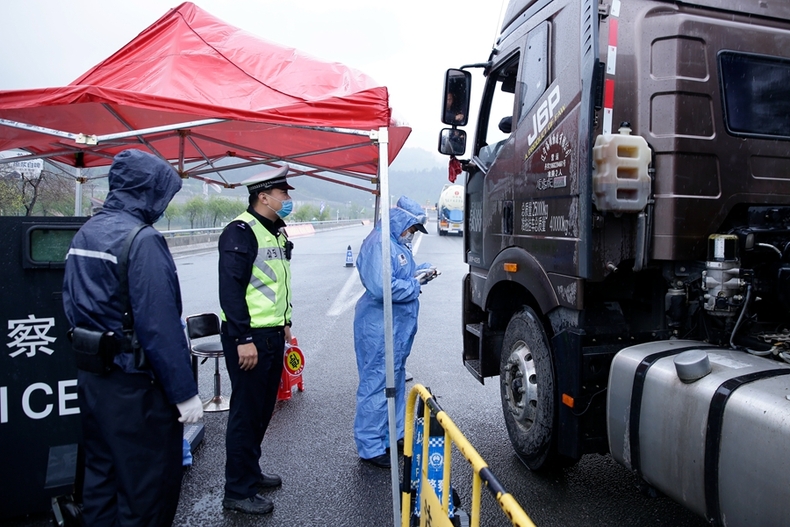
(207, 96)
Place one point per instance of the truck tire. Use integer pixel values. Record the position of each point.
(527, 390)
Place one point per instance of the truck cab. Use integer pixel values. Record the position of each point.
(628, 181)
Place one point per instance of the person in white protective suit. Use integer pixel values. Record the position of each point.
(370, 423)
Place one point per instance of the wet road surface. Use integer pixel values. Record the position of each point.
(310, 440)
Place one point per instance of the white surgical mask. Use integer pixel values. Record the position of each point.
(406, 239)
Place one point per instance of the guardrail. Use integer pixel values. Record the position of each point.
(205, 235)
(433, 509)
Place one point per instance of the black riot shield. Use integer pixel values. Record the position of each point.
(39, 415)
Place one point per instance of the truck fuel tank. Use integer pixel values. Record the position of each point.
(707, 426)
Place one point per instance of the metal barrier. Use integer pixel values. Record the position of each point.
(185, 240)
(318, 225)
(434, 512)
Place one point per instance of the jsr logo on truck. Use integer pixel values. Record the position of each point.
(542, 117)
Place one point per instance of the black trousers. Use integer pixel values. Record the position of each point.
(133, 450)
(252, 399)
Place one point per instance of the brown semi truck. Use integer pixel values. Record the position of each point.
(627, 231)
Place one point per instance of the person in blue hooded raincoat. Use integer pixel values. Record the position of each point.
(132, 416)
(370, 423)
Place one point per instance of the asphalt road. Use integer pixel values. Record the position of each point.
(310, 440)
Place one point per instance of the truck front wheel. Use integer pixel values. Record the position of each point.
(527, 390)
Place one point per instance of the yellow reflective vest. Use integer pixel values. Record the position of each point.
(268, 293)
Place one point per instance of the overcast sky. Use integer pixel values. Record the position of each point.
(405, 45)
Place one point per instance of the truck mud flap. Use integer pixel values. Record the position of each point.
(582, 372)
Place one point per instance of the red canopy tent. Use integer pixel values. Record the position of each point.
(209, 97)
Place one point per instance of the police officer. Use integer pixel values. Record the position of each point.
(255, 297)
(132, 432)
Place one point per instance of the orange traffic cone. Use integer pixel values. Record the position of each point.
(293, 364)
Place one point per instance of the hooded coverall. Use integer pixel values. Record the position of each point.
(370, 423)
(131, 434)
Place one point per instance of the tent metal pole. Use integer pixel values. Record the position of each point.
(78, 192)
(386, 273)
(156, 129)
(333, 129)
(377, 206)
(41, 130)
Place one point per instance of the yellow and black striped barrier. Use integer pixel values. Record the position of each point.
(433, 511)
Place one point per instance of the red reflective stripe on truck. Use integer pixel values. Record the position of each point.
(608, 97)
(611, 67)
(613, 22)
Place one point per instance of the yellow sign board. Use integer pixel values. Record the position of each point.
(431, 513)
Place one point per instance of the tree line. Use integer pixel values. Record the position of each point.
(199, 212)
(53, 194)
(49, 194)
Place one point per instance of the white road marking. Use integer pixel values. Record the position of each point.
(347, 296)
(415, 246)
(352, 290)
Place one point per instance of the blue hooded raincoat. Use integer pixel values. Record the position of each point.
(370, 424)
(141, 186)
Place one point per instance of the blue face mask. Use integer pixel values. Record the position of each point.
(286, 208)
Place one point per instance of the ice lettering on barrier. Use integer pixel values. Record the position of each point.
(30, 336)
(39, 400)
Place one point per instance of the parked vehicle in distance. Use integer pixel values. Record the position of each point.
(450, 210)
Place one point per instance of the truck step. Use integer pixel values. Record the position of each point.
(475, 329)
(474, 368)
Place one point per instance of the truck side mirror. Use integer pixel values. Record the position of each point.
(452, 142)
(457, 91)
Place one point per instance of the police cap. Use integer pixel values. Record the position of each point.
(268, 180)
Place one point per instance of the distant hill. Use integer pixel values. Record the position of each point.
(415, 173)
(417, 159)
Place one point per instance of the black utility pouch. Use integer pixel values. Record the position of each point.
(94, 351)
(140, 360)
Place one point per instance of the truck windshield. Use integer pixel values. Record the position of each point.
(756, 98)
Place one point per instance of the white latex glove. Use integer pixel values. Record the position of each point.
(426, 275)
(191, 410)
(434, 272)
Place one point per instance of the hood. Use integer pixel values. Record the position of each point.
(409, 205)
(141, 184)
(400, 220)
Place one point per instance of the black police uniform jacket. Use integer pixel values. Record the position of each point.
(141, 188)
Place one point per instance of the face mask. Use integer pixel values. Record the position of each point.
(407, 239)
(286, 209)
